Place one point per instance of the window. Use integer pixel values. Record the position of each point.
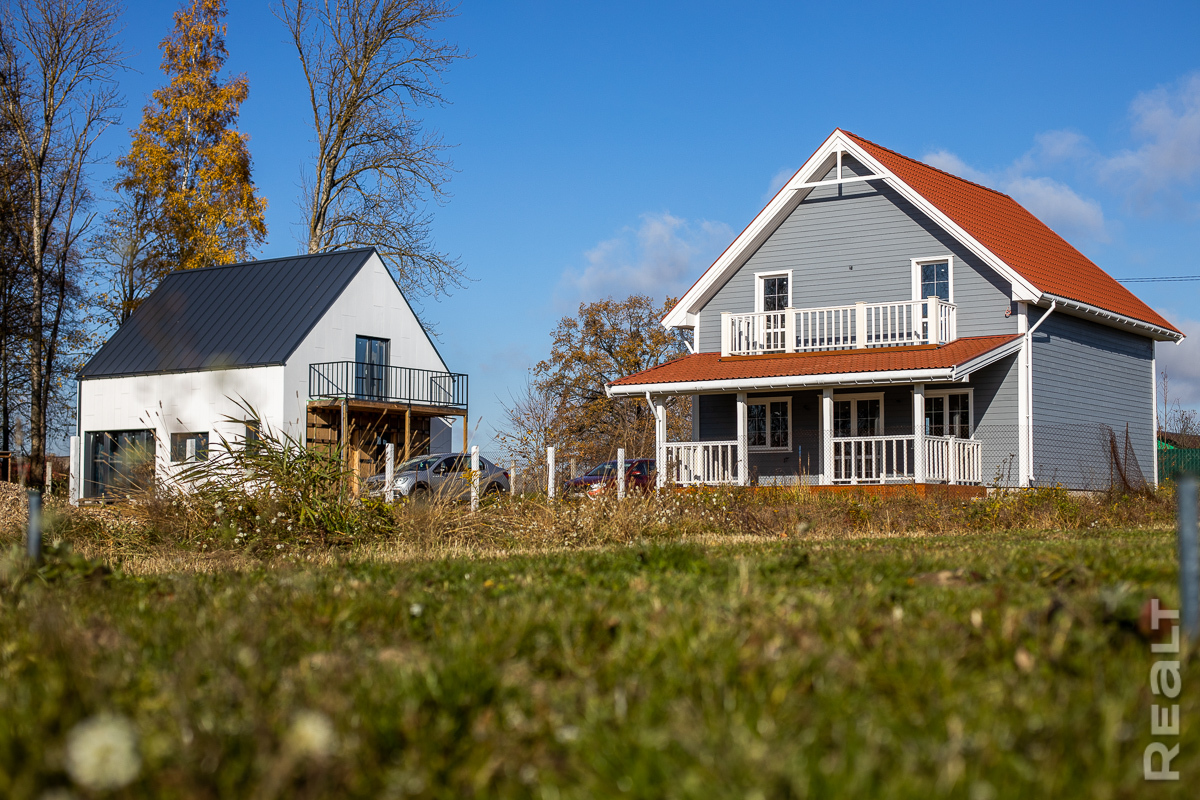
(252, 431)
(118, 462)
(179, 446)
(858, 415)
(948, 414)
(774, 291)
(769, 423)
(934, 277)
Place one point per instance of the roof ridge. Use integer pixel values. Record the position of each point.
(928, 166)
(256, 261)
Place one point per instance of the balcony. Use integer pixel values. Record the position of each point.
(858, 326)
(351, 380)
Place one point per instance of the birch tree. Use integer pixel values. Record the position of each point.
(370, 66)
(58, 60)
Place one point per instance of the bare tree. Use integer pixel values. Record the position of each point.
(58, 60)
(369, 65)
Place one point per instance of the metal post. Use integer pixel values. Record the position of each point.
(33, 541)
(620, 473)
(1189, 556)
(550, 472)
(474, 477)
(389, 472)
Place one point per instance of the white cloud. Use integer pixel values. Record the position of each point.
(1181, 362)
(777, 182)
(1167, 121)
(661, 256)
(1051, 201)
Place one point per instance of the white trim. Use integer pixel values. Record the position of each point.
(1114, 319)
(791, 195)
(853, 398)
(759, 277)
(766, 401)
(917, 263)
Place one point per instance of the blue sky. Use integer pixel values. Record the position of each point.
(607, 148)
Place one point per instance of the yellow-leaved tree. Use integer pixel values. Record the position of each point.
(186, 196)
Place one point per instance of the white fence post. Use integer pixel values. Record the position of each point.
(389, 471)
(75, 484)
(550, 482)
(512, 476)
(620, 473)
(474, 477)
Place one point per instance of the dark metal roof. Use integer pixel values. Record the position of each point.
(237, 315)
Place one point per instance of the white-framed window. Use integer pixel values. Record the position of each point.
(769, 423)
(950, 412)
(858, 414)
(772, 290)
(933, 276)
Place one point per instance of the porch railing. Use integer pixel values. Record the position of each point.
(862, 325)
(873, 459)
(952, 460)
(689, 463)
(359, 381)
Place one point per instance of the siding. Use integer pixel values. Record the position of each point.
(869, 227)
(1086, 376)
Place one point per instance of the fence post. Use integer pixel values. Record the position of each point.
(49, 476)
(550, 472)
(1189, 556)
(33, 541)
(474, 477)
(512, 476)
(75, 484)
(620, 473)
(389, 472)
(574, 468)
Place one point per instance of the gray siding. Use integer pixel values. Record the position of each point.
(869, 227)
(1088, 378)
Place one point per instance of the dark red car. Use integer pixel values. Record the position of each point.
(602, 479)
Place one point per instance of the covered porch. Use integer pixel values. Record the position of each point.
(838, 419)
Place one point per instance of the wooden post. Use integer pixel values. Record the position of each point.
(512, 477)
(574, 468)
(76, 481)
(660, 443)
(464, 419)
(789, 330)
(918, 433)
(475, 478)
(826, 437)
(725, 333)
(550, 472)
(389, 471)
(860, 325)
(407, 433)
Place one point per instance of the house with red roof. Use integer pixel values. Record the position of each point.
(883, 321)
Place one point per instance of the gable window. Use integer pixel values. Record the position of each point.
(769, 423)
(934, 277)
(774, 291)
(948, 414)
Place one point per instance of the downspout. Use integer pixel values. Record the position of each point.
(1028, 348)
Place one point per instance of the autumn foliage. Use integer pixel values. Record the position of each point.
(187, 160)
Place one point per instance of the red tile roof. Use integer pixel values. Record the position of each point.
(712, 367)
(1015, 236)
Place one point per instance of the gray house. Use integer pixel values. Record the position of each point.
(882, 321)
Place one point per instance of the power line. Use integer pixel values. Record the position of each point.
(1164, 279)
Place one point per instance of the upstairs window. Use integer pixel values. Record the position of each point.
(934, 278)
(774, 291)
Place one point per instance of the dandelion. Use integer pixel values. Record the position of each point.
(278, 547)
(102, 752)
(416, 609)
(311, 734)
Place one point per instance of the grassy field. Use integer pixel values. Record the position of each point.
(870, 663)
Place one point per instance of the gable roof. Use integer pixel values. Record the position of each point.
(955, 359)
(1041, 265)
(237, 315)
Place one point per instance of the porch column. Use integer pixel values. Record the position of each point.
(918, 433)
(660, 441)
(827, 437)
(743, 454)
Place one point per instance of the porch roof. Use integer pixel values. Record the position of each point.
(711, 372)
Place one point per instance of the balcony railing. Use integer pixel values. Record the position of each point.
(357, 381)
(862, 325)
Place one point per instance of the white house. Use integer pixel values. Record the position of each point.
(322, 347)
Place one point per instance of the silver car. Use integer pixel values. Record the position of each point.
(442, 475)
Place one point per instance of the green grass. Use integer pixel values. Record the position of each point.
(798, 668)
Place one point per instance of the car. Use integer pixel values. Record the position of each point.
(602, 478)
(441, 474)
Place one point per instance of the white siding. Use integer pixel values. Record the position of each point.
(184, 402)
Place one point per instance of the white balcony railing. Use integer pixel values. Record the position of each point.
(862, 325)
(710, 463)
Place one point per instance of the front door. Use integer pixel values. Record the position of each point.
(370, 368)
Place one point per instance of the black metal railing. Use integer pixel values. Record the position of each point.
(358, 381)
